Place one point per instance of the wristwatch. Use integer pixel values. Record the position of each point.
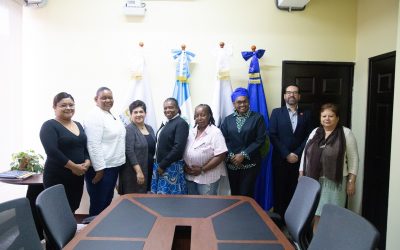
(202, 171)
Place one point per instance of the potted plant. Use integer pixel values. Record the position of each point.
(27, 161)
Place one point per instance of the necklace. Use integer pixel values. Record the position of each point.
(141, 127)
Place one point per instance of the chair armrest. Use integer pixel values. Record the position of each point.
(277, 219)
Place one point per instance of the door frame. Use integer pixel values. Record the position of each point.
(368, 129)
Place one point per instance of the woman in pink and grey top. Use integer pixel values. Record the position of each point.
(204, 154)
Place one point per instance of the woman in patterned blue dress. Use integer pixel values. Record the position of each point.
(168, 176)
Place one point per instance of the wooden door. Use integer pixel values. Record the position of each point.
(322, 82)
(378, 141)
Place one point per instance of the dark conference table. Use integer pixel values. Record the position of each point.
(156, 222)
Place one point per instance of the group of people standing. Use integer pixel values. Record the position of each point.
(174, 160)
(94, 152)
(177, 159)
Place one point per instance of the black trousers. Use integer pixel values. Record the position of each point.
(243, 181)
(73, 184)
(285, 182)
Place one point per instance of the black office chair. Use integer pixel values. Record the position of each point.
(340, 228)
(57, 218)
(300, 212)
(17, 228)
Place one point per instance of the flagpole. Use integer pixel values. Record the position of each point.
(264, 184)
(181, 90)
(139, 89)
(222, 105)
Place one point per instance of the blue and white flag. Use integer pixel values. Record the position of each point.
(222, 104)
(181, 89)
(264, 184)
(139, 89)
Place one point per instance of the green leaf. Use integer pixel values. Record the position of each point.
(33, 161)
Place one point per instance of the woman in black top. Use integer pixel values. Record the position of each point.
(168, 175)
(245, 133)
(64, 141)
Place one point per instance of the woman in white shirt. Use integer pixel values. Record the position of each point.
(204, 154)
(106, 146)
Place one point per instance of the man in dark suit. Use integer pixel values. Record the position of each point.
(289, 130)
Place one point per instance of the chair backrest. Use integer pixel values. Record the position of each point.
(17, 228)
(301, 209)
(340, 228)
(57, 218)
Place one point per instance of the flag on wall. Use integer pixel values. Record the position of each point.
(181, 90)
(264, 184)
(139, 90)
(222, 104)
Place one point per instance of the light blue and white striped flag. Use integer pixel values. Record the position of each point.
(181, 90)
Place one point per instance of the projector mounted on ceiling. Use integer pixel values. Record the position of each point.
(290, 5)
(35, 3)
(135, 8)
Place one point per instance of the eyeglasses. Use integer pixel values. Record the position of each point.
(65, 106)
(292, 92)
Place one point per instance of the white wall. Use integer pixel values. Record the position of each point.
(393, 223)
(376, 34)
(78, 46)
(10, 82)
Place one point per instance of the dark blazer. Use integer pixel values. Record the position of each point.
(283, 138)
(136, 145)
(136, 150)
(171, 142)
(250, 139)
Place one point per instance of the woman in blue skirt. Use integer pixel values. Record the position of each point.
(168, 176)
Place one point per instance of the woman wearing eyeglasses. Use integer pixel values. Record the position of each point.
(64, 142)
(245, 134)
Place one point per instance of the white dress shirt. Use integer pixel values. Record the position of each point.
(105, 139)
(293, 117)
